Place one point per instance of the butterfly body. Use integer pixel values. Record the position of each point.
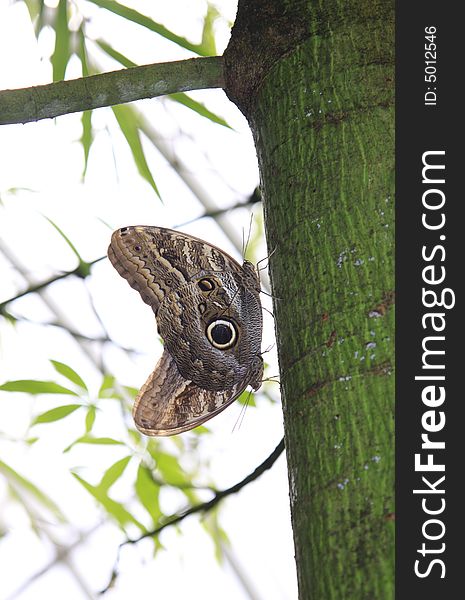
(208, 313)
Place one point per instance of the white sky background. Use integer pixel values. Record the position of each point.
(44, 161)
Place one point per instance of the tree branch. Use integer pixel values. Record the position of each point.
(206, 506)
(106, 89)
(104, 339)
(203, 507)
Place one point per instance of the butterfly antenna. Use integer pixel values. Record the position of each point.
(248, 235)
(268, 311)
(270, 295)
(240, 418)
(229, 305)
(266, 258)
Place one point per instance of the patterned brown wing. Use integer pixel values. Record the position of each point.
(155, 260)
(168, 403)
(209, 315)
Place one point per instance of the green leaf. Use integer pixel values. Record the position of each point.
(89, 439)
(135, 435)
(105, 441)
(61, 54)
(121, 58)
(113, 508)
(31, 386)
(21, 483)
(82, 53)
(11, 319)
(170, 469)
(107, 388)
(198, 107)
(90, 418)
(180, 97)
(129, 125)
(41, 19)
(140, 19)
(67, 240)
(55, 414)
(217, 534)
(87, 136)
(148, 492)
(132, 391)
(208, 36)
(202, 430)
(34, 7)
(69, 373)
(113, 473)
(247, 398)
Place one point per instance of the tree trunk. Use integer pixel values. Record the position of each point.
(315, 81)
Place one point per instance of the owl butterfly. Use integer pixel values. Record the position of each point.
(208, 312)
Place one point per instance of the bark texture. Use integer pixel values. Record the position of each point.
(108, 89)
(321, 108)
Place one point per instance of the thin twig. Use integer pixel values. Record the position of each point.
(206, 506)
(62, 555)
(40, 286)
(104, 339)
(200, 508)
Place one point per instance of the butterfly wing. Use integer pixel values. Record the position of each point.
(191, 286)
(155, 260)
(168, 403)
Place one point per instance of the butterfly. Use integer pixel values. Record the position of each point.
(209, 315)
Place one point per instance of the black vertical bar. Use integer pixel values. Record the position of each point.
(430, 217)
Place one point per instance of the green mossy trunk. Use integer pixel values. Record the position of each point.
(322, 115)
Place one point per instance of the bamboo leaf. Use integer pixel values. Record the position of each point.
(170, 469)
(132, 391)
(90, 418)
(21, 483)
(66, 238)
(69, 373)
(217, 534)
(82, 53)
(55, 414)
(179, 97)
(40, 19)
(208, 36)
(31, 386)
(104, 441)
(144, 21)
(35, 8)
(247, 398)
(148, 492)
(89, 439)
(199, 108)
(113, 508)
(121, 58)
(113, 473)
(107, 388)
(61, 54)
(87, 136)
(130, 128)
